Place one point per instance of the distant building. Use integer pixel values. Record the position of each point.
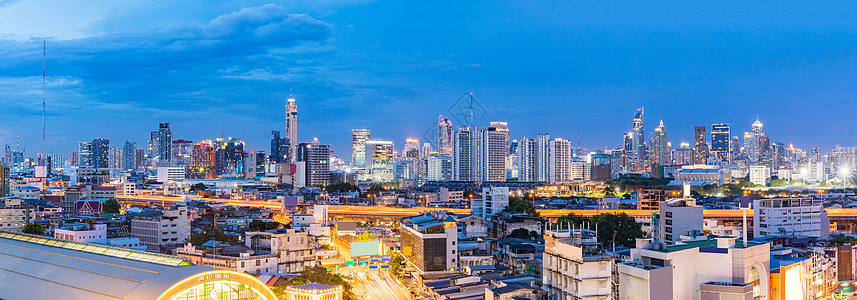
(760, 175)
(314, 161)
(359, 137)
(167, 174)
(650, 198)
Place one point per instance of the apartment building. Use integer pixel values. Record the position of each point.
(294, 248)
(575, 266)
(790, 216)
(156, 228)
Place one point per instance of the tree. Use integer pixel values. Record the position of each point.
(111, 206)
(521, 206)
(261, 225)
(778, 182)
(396, 261)
(571, 219)
(341, 187)
(365, 236)
(34, 228)
(521, 233)
(841, 239)
(619, 228)
(198, 187)
(317, 274)
(200, 238)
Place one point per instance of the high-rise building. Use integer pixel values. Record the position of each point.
(560, 160)
(100, 155)
(534, 158)
(4, 181)
(358, 146)
(202, 161)
(165, 141)
(139, 154)
(721, 147)
(444, 136)
(84, 154)
(129, 159)
(466, 153)
(379, 160)
(659, 148)
(279, 148)
(492, 202)
(292, 126)
(411, 150)
(114, 159)
(228, 155)
(639, 134)
(700, 146)
(496, 149)
(753, 142)
(181, 152)
(314, 159)
(438, 168)
(779, 153)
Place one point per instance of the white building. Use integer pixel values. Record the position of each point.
(493, 201)
(243, 262)
(690, 269)
(575, 267)
(294, 249)
(790, 216)
(760, 175)
(676, 218)
(158, 228)
(167, 174)
(14, 215)
(82, 232)
(560, 160)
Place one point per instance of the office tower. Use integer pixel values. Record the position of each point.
(466, 153)
(58, 161)
(411, 150)
(639, 135)
(753, 143)
(114, 159)
(203, 161)
(84, 154)
(779, 151)
(426, 150)
(659, 148)
(314, 160)
(790, 216)
(699, 145)
(496, 149)
(560, 160)
(129, 160)
(444, 136)
(254, 164)
(431, 239)
(291, 126)
(139, 154)
(379, 160)
(721, 146)
(358, 147)
(181, 151)
(279, 148)
(736, 148)
(165, 141)
(100, 148)
(228, 155)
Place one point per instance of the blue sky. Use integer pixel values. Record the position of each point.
(117, 68)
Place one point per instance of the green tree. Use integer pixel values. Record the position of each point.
(341, 187)
(521, 206)
(34, 228)
(317, 274)
(521, 233)
(396, 261)
(111, 206)
(216, 234)
(571, 218)
(365, 236)
(261, 225)
(198, 187)
(778, 182)
(619, 228)
(841, 239)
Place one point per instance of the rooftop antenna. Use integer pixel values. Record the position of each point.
(471, 109)
(44, 85)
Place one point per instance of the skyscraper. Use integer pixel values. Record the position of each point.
(496, 148)
(444, 136)
(659, 146)
(165, 141)
(411, 150)
(292, 126)
(700, 146)
(114, 159)
(379, 160)
(181, 152)
(129, 159)
(467, 153)
(560, 160)
(228, 156)
(279, 148)
(314, 159)
(203, 161)
(534, 158)
(84, 154)
(358, 146)
(753, 143)
(721, 146)
(639, 134)
(100, 156)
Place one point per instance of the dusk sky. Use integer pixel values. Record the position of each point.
(116, 69)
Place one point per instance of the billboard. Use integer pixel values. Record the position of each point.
(359, 249)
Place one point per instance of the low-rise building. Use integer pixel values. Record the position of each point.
(677, 218)
(429, 242)
(294, 248)
(156, 228)
(313, 291)
(576, 267)
(790, 216)
(650, 198)
(82, 232)
(237, 258)
(15, 214)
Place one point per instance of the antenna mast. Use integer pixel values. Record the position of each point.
(471, 109)
(44, 85)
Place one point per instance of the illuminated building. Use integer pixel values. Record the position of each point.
(114, 158)
(760, 175)
(379, 161)
(129, 160)
(466, 154)
(444, 136)
(4, 181)
(721, 146)
(699, 145)
(84, 154)
(313, 162)
(716, 268)
(790, 216)
(639, 133)
(574, 265)
(228, 155)
(292, 126)
(753, 143)
(412, 149)
(659, 146)
(202, 161)
(651, 198)
(429, 242)
(439, 168)
(560, 160)
(70, 270)
(358, 146)
(100, 155)
(294, 249)
(534, 161)
(181, 152)
(14, 214)
(279, 148)
(139, 154)
(313, 291)
(496, 149)
(684, 156)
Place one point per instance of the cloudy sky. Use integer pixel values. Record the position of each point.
(224, 68)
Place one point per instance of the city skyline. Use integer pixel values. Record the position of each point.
(347, 72)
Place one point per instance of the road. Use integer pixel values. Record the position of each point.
(378, 285)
